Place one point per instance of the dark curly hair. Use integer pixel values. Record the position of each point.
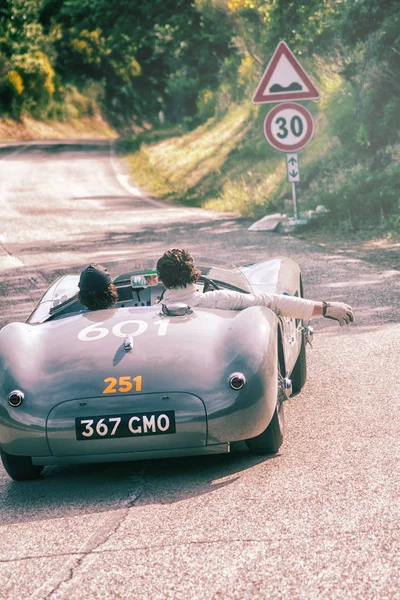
(176, 268)
(96, 300)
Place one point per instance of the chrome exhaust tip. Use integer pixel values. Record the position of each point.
(287, 386)
(309, 334)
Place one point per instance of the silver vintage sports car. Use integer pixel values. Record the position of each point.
(139, 382)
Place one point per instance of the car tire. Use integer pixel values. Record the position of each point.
(299, 373)
(271, 439)
(20, 468)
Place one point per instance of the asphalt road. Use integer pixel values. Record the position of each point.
(319, 520)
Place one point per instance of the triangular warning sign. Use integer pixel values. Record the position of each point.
(284, 79)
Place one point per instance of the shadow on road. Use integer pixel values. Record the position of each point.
(56, 149)
(84, 489)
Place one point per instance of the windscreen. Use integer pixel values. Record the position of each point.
(59, 292)
(140, 273)
(223, 273)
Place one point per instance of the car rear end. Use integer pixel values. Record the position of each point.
(132, 383)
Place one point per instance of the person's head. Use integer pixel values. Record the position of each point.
(96, 290)
(176, 268)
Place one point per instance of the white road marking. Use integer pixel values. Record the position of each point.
(124, 180)
(17, 151)
(8, 260)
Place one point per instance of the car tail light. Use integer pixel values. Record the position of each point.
(237, 381)
(15, 397)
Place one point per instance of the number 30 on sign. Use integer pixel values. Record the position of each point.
(288, 127)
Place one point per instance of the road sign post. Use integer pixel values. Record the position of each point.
(296, 213)
(289, 126)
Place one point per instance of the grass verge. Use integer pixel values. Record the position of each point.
(226, 164)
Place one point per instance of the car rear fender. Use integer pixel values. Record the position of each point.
(238, 415)
(22, 428)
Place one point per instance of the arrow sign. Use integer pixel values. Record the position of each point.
(284, 79)
(293, 172)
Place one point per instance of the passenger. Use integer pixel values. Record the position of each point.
(179, 275)
(96, 289)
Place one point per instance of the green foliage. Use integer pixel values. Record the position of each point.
(149, 55)
(90, 46)
(37, 75)
(206, 104)
(240, 196)
(28, 83)
(20, 29)
(197, 59)
(368, 31)
(74, 104)
(11, 89)
(361, 196)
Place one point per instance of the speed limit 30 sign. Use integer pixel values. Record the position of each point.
(288, 127)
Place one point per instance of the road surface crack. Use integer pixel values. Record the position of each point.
(5, 250)
(161, 546)
(94, 543)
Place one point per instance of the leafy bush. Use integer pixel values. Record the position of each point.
(11, 90)
(359, 195)
(37, 76)
(206, 104)
(14, 81)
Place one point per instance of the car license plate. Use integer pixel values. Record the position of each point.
(127, 425)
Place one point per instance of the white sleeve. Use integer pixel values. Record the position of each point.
(286, 306)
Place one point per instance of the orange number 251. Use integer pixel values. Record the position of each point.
(123, 384)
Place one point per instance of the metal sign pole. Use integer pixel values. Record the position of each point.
(288, 126)
(296, 216)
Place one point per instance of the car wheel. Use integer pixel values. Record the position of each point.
(271, 439)
(299, 373)
(20, 468)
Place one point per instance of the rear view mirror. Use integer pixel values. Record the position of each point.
(144, 280)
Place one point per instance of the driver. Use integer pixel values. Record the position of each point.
(96, 289)
(179, 275)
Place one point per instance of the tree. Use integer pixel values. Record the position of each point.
(27, 82)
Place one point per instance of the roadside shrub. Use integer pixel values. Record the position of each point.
(14, 81)
(61, 111)
(72, 104)
(247, 75)
(242, 197)
(90, 47)
(361, 196)
(82, 104)
(206, 104)
(11, 90)
(37, 76)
